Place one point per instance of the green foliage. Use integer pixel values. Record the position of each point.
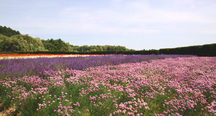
(56, 45)
(20, 42)
(201, 50)
(98, 48)
(7, 31)
(13, 41)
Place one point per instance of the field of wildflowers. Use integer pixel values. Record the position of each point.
(28, 55)
(110, 85)
(18, 67)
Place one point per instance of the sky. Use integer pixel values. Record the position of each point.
(135, 24)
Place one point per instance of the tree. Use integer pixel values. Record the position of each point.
(7, 31)
(56, 45)
(20, 43)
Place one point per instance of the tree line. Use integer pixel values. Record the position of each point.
(13, 41)
(199, 50)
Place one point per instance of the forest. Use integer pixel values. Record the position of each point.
(12, 41)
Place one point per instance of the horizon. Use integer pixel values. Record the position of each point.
(137, 24)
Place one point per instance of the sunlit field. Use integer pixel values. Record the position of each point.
(28, 55)
(140, 85)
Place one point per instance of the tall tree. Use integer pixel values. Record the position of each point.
(7, 31)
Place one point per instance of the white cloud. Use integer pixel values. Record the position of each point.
(132, 18)
(145, 19)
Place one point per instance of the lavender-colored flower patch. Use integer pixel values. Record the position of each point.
(20, 67)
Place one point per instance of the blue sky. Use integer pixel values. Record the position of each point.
(135, 24)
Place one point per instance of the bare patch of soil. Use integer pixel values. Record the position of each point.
(6, 112)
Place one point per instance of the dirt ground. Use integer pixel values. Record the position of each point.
(6, 112)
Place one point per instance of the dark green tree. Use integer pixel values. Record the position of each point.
(7, 31)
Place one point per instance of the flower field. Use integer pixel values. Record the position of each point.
(140, 85)
(28, 55)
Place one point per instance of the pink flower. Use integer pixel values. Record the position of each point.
(165, 112)
(54, 110)
(78, 104)
(147, 108)
(110, 114)
(78, 111)
(124, 111)
(87, 110)
(71, 110)
(59, 110)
